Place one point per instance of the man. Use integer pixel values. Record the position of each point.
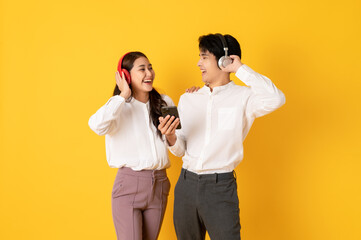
(215, 121)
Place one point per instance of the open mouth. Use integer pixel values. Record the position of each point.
(148, 81)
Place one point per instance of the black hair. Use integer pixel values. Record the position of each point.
(156, 101)
(213, 44)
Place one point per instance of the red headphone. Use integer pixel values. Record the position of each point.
(121, 70)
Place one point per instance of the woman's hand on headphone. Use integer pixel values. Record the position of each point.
(233, 67)
(123, 86)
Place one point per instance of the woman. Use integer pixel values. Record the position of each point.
(129, 121)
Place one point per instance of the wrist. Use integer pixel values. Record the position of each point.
(171, 139)
(124, 94)
(238, 65)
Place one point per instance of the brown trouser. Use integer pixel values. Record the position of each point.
(139, 199)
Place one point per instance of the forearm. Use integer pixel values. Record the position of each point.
(171, 139)
(264, 97)
(258, 83)
(103, 120)
(177, 147)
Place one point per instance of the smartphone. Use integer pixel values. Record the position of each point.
(172, 111)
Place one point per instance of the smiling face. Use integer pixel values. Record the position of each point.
(211, 74)
(142, 75)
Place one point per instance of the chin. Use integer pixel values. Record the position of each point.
(206, 82)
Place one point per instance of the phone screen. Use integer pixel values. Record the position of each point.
(172, 111)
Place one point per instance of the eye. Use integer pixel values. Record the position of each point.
(142, 69)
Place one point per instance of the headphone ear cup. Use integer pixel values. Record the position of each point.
(224, 61)
(127, 76)
(220, 62)
(227, 61)
(120, 70)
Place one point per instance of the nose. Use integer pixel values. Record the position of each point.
(199, 63)
(148, 72)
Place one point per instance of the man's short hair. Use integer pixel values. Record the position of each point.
(213, 44)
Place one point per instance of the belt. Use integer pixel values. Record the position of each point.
(213, 176)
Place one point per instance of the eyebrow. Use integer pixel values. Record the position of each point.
(144, 65)
(203, 54)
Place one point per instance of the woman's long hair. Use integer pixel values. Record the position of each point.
(155, 99)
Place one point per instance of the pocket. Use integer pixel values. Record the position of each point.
(166, 187)
(118, 186)
(124, 185)
(226, 190)
(226, 118)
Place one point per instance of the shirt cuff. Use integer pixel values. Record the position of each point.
(118, 98)
(244, 73)
(176, 149)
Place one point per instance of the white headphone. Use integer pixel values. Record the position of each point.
(225, 60)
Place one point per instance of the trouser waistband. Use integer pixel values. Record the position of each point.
(207, 177)
(143, 173)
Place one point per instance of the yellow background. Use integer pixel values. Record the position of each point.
(300, 178)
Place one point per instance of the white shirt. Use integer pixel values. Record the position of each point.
(131, 138)
(215, 124)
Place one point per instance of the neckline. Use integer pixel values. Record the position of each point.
(217, 89)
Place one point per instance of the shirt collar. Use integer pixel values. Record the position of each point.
(139, 103)
(216, 90)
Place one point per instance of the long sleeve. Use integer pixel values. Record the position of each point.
(103, 121)
(168, 100)
(265, 97)
(178, 149)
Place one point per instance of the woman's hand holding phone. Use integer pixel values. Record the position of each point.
(167, 127)
(123, 86)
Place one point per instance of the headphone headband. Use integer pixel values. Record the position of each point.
(224, 43)
(225, 60)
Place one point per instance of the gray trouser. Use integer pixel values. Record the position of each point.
(206, 202)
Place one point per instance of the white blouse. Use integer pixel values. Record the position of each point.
(131, 138)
